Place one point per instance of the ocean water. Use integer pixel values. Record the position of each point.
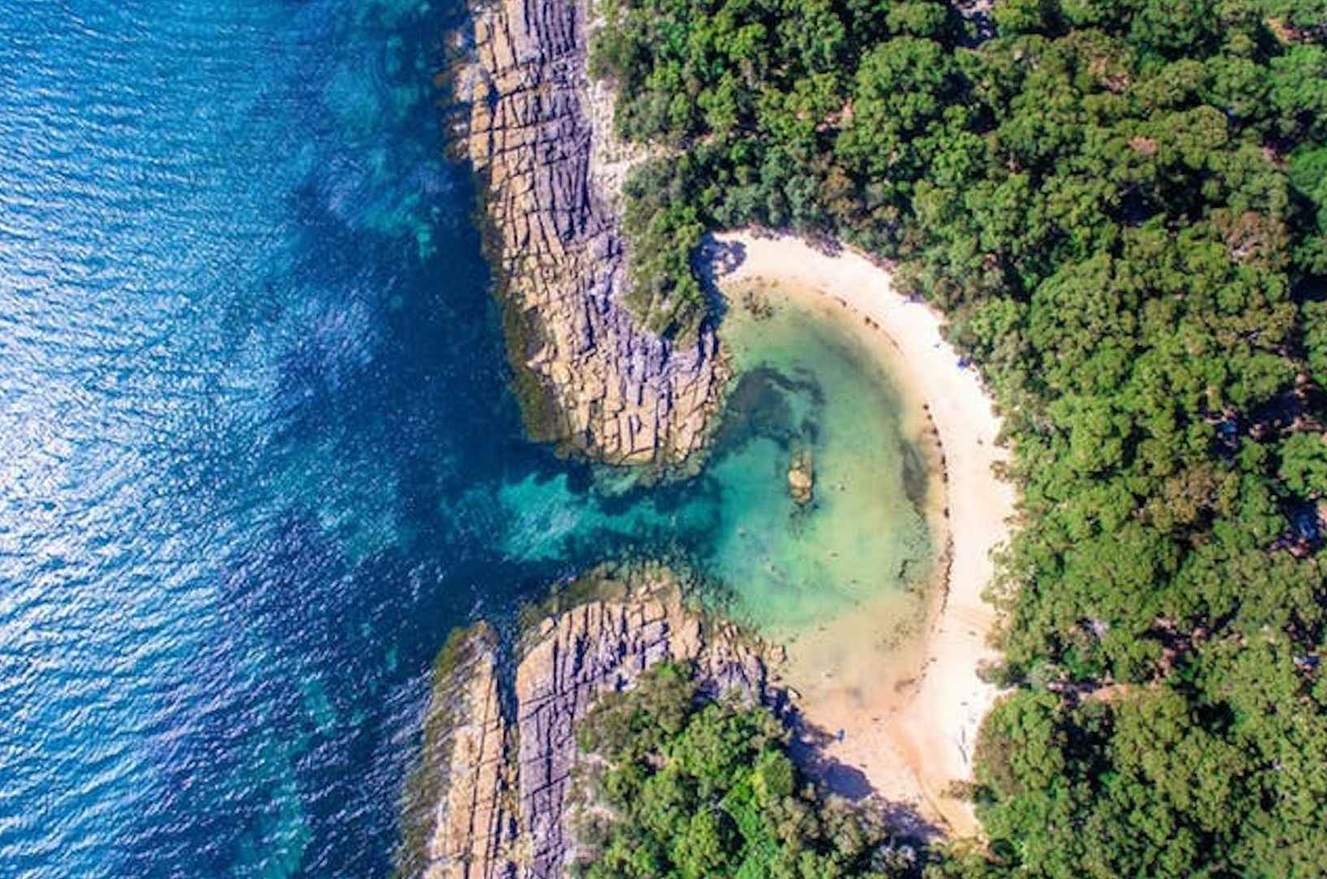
(257, 452)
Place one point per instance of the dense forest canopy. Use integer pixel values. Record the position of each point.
(680, 787)
(1121, 205)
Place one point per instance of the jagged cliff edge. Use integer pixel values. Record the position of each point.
(589, 378)
(490, 799)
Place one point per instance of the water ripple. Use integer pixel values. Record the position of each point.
(257, 453)
(204, 210)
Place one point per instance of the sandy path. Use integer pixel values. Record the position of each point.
(912, 739)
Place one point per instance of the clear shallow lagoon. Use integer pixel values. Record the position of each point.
(809, 383)
(257, 454)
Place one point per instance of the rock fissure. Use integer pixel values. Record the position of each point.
(601, 384)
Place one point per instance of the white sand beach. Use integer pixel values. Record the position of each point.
(910, 730)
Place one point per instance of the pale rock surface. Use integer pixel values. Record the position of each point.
(473, 827)
(505, 812)
(601, 384)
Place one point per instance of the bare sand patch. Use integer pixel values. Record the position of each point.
(909, 714)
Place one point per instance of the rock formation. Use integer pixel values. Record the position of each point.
(801, 477)
(501, 788)
(458, 822)
(589, 378)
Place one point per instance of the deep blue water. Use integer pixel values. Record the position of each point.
(257, 449)
(248, 367)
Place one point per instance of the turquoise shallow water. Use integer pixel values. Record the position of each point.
(257, 453)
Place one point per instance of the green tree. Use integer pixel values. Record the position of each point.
(1120, 207)
(1304, 464)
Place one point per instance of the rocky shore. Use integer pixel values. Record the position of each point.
(457, 819)
(491, 797)
(588, 377)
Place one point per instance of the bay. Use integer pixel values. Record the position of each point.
(257, 449)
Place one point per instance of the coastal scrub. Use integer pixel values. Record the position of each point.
(678, 785)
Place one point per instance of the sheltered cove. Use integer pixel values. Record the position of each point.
(593, 382)
(825, 471)
(931, 728)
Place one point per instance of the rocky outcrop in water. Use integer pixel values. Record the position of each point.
(501, 786)
(459, 824)
(589, 378)
(801, 477)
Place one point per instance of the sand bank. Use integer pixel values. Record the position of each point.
(910, 728)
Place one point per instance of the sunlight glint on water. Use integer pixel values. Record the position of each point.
(256, 448)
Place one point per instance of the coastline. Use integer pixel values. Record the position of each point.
(494, 792)
(914, 739)
(588, 379)
(595, 383)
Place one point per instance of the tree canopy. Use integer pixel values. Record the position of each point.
(1121, 206)
(676, 786)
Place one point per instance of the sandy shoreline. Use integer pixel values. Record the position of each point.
(910, 738)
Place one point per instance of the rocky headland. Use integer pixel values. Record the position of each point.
(457, 817)
(491, 796)
(588, 376)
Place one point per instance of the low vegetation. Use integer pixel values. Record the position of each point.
(1121, 205)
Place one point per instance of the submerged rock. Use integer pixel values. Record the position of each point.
(801, 477)
(588, 376)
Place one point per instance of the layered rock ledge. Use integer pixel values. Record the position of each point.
(492, 796)
(588, 376)
(458, 821)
